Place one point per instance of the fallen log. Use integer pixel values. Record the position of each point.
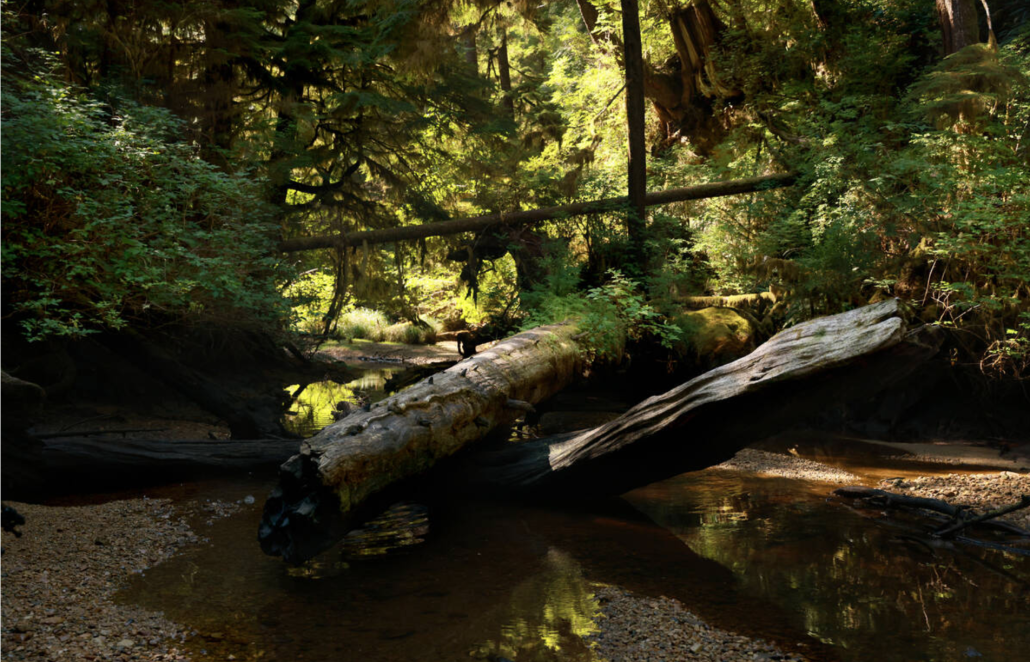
(355, 459)
(798, 372)
(529, 217)
(66, 464)
(126, 457)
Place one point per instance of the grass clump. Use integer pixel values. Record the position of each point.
(362, 323)
(368, 324)
(410, 334)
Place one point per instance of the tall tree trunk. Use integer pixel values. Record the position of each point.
(959, 25)
(218, 91)
(682, 93)
(635, 221)
(504, 73)
(471, 54)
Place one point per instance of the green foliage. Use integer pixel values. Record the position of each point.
(608, 316)
(411, 334)
(310, 295)
(108, 221)
(362, 323)
(374, 325)
(374, 114)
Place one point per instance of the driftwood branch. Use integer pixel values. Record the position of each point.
(890, 499)
(958, 514)
(477, 223)
(1024, 502)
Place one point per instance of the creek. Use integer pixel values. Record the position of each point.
(440, 578)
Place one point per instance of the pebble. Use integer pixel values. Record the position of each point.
(786, 466)
(59, 579)
(634, 628)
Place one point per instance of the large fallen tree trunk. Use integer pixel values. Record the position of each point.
(793, 376)
(696, 425)
(477, 223)
(355, 459)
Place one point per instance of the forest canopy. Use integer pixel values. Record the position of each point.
(155, 156)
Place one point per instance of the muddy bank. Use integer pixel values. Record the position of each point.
(60, 576)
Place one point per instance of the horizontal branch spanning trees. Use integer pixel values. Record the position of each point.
(457, 226)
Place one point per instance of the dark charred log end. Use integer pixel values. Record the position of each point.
(301, 519)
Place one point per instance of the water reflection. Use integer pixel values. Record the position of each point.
(871, 591)
(313, 405)
(549, 617)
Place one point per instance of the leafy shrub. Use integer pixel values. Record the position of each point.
(310, 296)
(609, 316)
(109, 222)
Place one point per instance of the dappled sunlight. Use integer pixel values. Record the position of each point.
(550, 616)
(314, 406)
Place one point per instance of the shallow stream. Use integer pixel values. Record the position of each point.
(447, 579)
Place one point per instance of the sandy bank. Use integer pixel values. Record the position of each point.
(786, 466)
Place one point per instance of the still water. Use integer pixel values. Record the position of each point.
(312, 405)
(459, 580)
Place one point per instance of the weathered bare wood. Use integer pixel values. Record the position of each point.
(477, 223)
(360, 456)
(708, 419)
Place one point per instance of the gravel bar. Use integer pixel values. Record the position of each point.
(59, 579)
(786, 466)
(638, 629)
